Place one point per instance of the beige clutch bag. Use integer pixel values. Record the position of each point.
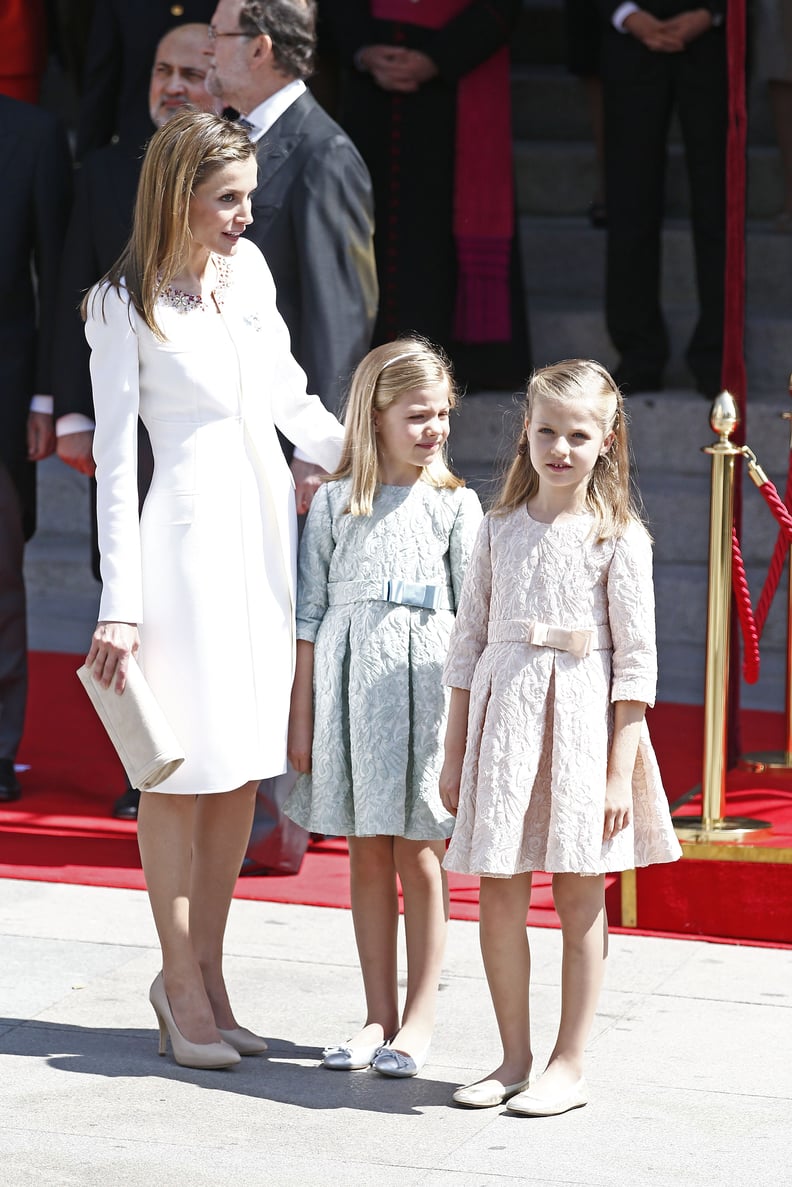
(136, 726)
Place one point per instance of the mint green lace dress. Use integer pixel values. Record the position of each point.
(379, 702)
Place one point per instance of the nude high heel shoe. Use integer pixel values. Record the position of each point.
(243, 1040)
(197, 1055)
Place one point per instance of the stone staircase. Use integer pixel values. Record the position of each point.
(564, 277)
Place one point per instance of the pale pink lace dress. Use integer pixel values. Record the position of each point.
(541, 718)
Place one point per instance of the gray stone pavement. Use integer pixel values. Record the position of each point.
(689, 1062)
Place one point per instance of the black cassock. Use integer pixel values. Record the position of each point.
(408, 143)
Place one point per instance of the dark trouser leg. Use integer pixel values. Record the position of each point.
(13, 624)
(701, 92)
(637, 107)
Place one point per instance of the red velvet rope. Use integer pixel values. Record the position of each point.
(750, 624)
(773, 500)
(742, 597)
(776, 566)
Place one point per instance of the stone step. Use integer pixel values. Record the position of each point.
(558, 177)
(681, 597)
(681, 617)
(668, 431)
(566, 257)
(549, 103)
(563, 329)
(678, 516)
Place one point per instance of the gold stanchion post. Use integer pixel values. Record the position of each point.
(780, 759)
(713, 825)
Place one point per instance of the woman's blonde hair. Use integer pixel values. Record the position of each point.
(609, 495)
(385, 374)
(180, 156)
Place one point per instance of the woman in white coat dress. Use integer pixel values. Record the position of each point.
(184, 332)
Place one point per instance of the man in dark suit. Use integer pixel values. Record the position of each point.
(312, 211)
(313, 219)
(34, 207)
(663, 56)
(121, 45)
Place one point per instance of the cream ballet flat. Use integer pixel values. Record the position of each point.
(243, 1040)
(487, 1094)
(536, 1106)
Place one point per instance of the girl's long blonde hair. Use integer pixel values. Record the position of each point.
(180, 156)
(609, 495)
(385, 374)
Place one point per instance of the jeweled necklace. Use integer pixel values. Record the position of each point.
(184, 302)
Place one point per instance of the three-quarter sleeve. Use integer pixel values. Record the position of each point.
(469, 634)
(631, 613)
(463, 538)
(115, 381)
(316, 551)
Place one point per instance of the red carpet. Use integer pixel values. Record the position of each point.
(60, 830)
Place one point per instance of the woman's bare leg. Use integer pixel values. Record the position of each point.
(503, 911)
(375, 914)
(165, 839)
(220, 838)
(425, 890)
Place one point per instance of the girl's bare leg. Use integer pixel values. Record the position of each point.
(580, 902)
(165, 839)
(425, 890)
(375, 914)
(503, 910)
(220, 838)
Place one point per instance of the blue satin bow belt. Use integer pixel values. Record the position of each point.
(395, 590)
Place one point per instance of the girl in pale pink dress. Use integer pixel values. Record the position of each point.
(548, 763)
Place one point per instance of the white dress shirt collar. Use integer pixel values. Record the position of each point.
(264, 116)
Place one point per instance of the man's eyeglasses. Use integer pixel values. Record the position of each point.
(213, 34)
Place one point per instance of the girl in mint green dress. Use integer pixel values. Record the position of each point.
(381, 565)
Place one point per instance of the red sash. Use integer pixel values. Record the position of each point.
(483, 185)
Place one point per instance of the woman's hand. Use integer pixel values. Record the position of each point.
(111, 647)
(307, 480)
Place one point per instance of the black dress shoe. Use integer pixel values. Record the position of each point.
(126, 806)
(9, 784)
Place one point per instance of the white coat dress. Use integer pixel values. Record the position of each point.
(208, 571)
